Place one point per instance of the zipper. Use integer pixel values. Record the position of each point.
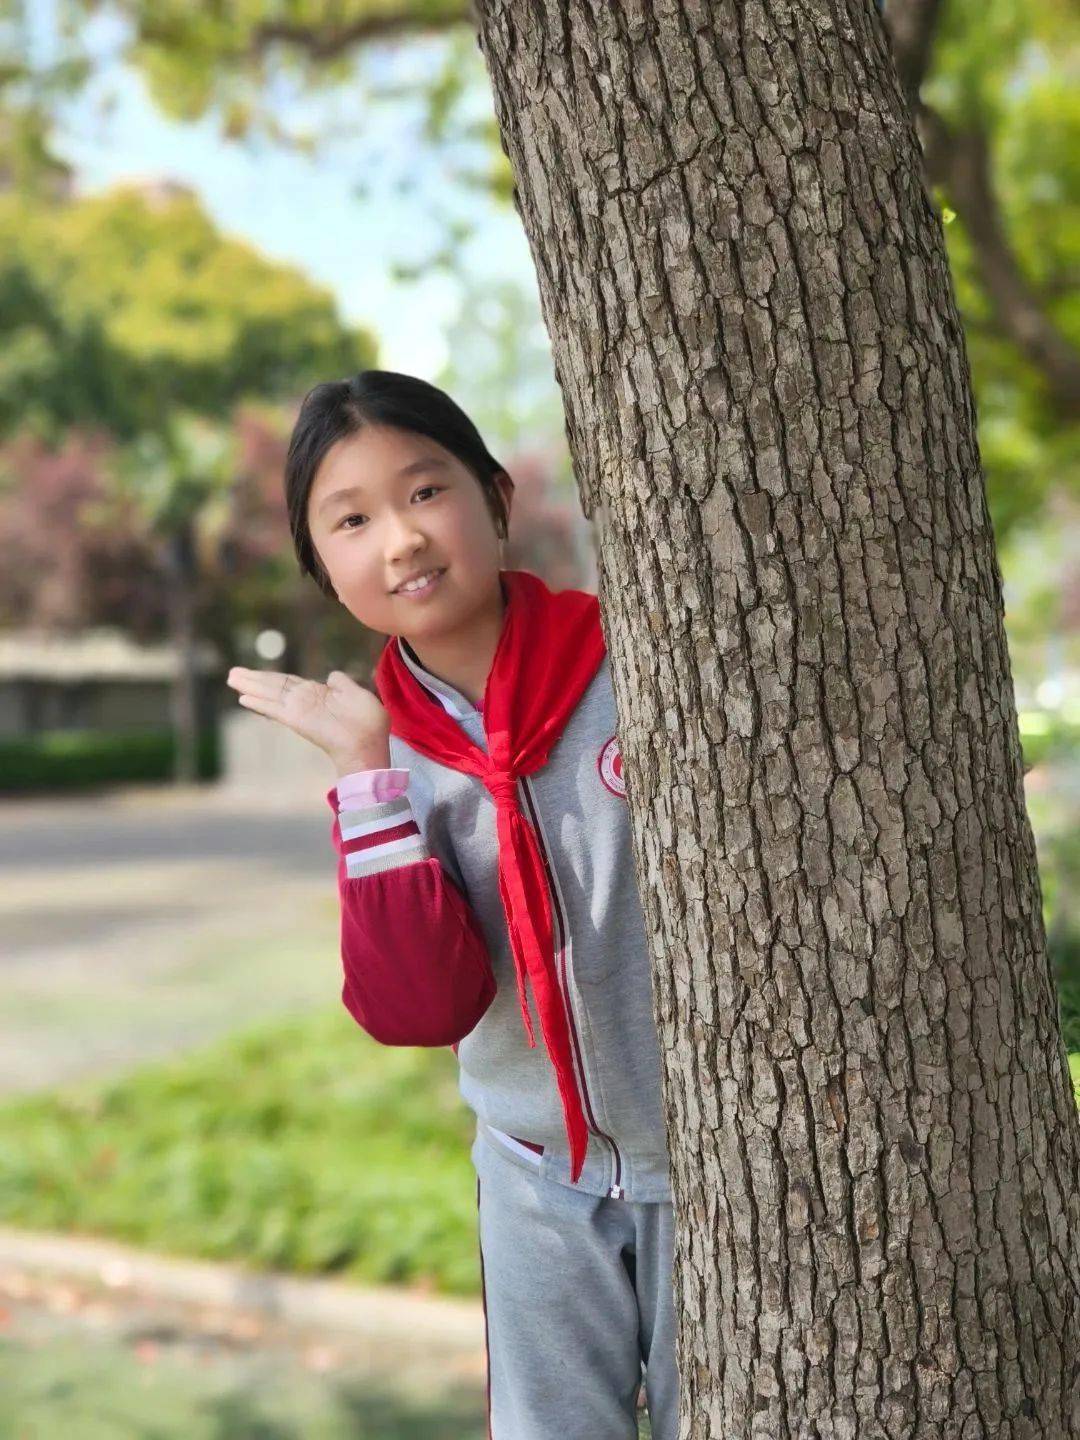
(616, 1190)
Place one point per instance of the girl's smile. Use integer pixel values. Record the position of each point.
(416, 591)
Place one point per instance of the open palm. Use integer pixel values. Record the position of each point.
(341, 717)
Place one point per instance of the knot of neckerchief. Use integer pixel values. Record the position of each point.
(504, 790)
(550, 646)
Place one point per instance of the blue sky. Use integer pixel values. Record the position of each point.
(302, 210)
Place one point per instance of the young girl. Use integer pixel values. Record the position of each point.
(487, 891)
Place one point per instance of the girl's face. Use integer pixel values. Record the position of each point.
(388, 504)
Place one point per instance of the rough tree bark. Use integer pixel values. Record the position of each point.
(875, 1148)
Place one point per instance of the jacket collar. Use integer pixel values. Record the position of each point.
(452, 701)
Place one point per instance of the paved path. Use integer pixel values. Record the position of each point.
(288, 833)
(445, 1330)
(140, 922)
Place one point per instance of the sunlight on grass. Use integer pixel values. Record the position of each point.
(300, 1145)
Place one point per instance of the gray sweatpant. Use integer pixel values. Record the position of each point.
(578, 1297)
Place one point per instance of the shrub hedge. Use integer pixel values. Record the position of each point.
(78, 759)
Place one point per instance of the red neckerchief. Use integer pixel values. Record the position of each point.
(550, 647)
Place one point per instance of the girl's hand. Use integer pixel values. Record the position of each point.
(342, 718)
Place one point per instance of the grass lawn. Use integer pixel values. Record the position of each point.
(87, 1389)
(300, 1145)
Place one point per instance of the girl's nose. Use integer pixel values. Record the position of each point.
(403, 539)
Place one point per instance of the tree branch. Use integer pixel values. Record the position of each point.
(911, 25)
(328, 42)
(959, 160)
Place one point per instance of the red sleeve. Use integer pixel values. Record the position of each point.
(416, 965)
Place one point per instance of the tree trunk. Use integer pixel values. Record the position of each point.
(875, 1147)
(183, 697)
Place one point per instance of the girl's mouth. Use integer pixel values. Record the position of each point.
(426, 589)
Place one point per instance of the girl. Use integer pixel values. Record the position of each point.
(487, 889)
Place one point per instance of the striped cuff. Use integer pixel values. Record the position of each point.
(380, 837)
(370, 787)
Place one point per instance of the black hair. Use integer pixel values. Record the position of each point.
(337, 408)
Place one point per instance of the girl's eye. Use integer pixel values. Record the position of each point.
(345, 523)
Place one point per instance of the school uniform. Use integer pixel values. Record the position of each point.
(574, 1224)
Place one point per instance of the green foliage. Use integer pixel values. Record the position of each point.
(177, 473)
(128, 313)
(1059, 866)
(117, 309)
(76, 759)
(1069, 994)
(1047, 735)
(299, 1145)
(1004, 66)
(1007, 68)
(196, 57)
(981, 46)
(1038, 173)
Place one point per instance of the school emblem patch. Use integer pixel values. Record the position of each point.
(609, 763)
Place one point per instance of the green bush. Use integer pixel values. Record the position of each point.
(299, 1145)
(75, 759)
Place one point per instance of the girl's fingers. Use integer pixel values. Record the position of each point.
(241, 675)
(255, 679)
(269, 684)
(238, 674)
(256, 702)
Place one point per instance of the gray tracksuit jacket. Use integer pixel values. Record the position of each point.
(427, 958)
